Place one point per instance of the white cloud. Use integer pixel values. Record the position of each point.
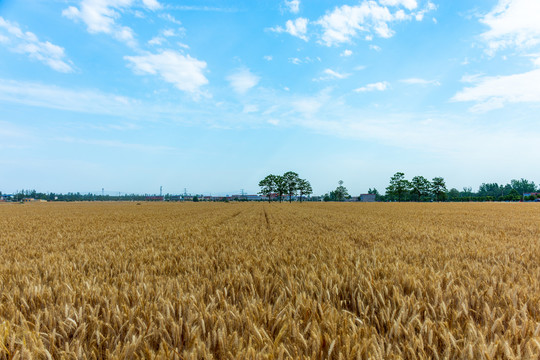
(171, 18)
(330, 74)
(157, 40)
(495, 92)
(295, 60)
(185, 72)
(53, 97)
(375, 47)
(268, 57)
(250, 108)
(169, 32)
(307, 106)
(293, 6)
(152, 4)
(335, 74)
(409, 4)
(400, 15)
(418, 81)
(343, 23)
(28, 43)
(378, 86)
(346, 52)
(419, 16)
(160, 39)
(296, 28)
(100, 16)
(242, 80)
(512, 23)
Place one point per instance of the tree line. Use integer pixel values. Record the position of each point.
(289, 184)
(71, 196)
(418, 189)
(275, 187)
(421, 189)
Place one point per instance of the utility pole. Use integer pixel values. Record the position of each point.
(102, 191)
(160, 190)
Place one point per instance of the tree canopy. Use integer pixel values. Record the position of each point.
(288, 184)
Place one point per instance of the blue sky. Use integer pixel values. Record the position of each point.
(211, 96)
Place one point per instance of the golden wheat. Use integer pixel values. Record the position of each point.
(269, 281)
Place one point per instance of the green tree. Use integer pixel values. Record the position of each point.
(438, 188)
(268, 186)
(281, 186)
(291, 180)
(490, 189)
(419, 187)
(398, 187)
(341, 192)
(453, 194)
(514, 195)
(523, 186)
(467, 192)
(304, 188)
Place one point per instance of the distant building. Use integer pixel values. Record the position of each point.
(367, 197)
(175, 198)
(154, 198)
(536, 195)
(254, 197)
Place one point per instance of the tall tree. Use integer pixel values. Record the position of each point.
(268, 186)
(281, 186)
(523, 186)
(304, 188)
(420, 187)
(438, 188)
(467, 192)
(341, 192)
(490, 189)
(453, 194)
(398, 187)
(291, 183)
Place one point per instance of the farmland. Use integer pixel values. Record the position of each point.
(259, 280)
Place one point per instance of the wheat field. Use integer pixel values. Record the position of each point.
(269, 281)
